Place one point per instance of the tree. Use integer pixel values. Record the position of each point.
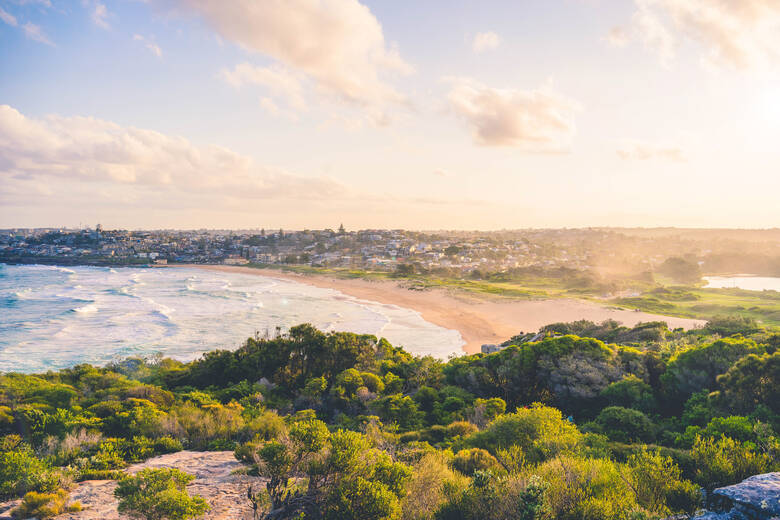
(345, 477)
(630, 392)
(681, 270)
(625, 425)
(752, 381)
(341, 229)
(697, 368)
(159, 494)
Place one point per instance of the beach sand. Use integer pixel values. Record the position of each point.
(479, 319)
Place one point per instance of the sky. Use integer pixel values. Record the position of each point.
(434, 114)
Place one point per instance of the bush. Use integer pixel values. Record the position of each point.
(100, 474)
(724, 461)
(625, 425)
(44, 505)
(490, 498)
(658, 485)
(581, 488)
(425, 489)
(540, 431)
(21, 471)
(159, 494)
(475, 459)
(167, 444)
(630, 392)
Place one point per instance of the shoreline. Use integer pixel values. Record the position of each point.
(479, 320)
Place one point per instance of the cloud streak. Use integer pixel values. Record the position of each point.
(646, 150)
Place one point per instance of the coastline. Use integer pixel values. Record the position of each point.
(479, 320)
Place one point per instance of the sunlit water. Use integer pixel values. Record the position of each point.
(53, 317)
(749, 283)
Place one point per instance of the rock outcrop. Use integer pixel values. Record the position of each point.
(215, 481)
(755, 498)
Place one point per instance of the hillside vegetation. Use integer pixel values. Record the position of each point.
(593, 421)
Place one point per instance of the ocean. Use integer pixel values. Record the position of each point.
(55, 317)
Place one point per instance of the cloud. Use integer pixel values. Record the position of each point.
(280, 81)
(485, 41)
(339, 44)
(645, 150)
(149, 44)
(535, 120)
(100, 15)
(618, 37)
(88, 155)
(8, 17)
(735, 33)
(34, 32)
(442, 173)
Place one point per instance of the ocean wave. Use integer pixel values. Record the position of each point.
(86, 309)
(180, 315)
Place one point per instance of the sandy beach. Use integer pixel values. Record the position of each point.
(479, 319)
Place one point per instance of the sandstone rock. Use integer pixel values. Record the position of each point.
(225, 492)
(755, 498)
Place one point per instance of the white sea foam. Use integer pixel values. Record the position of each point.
(178, 312)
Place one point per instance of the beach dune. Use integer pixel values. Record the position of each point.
(479, 320)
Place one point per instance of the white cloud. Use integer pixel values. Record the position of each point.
(535, 120)
(88, 155)
(736, 33)
(337, 43)
(149, 44)
(100, 15)
(7, 17)
(280, 81)
(485, 41)
(34, 32)
(644, 150)
(442, 173)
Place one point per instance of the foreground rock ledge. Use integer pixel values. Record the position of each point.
(755, 498)
(225, 493)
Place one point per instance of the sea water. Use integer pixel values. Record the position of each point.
(55, 317)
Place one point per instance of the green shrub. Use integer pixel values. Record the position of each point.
(44, 505)
(100, 474)
(159, 494)
(475, 459)
(725, 461)
(540, 431)
(21, 472)
(625, 425)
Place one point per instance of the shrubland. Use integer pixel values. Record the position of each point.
(590, 421)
